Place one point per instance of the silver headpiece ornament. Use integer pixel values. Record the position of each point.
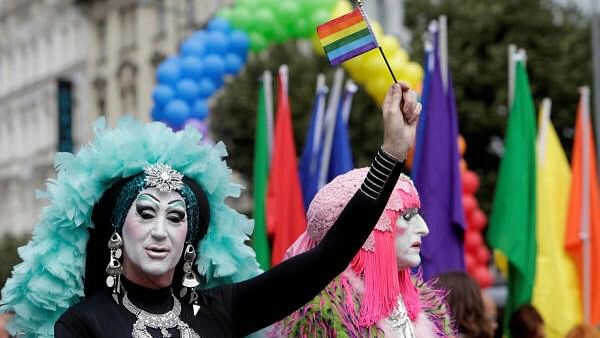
(163, 177)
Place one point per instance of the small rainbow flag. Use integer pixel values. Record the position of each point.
(346, 37)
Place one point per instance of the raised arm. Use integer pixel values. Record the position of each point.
(263, 300)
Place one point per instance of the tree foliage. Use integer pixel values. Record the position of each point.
(8, 254)
(557, 41)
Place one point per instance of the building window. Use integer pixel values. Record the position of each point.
(101, 39)
(126, 76)
(190, 8)
(100, 91)
(161, 18)
(127, 26)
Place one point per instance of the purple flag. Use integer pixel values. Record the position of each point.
(438, 180)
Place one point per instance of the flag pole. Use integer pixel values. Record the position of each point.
(378, 46)
(585, 221)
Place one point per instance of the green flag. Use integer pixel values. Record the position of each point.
(260, 178)
(512, 223)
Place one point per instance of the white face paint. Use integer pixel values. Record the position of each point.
(153, 237)
(410, 229)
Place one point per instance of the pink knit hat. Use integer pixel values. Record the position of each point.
(375, 263)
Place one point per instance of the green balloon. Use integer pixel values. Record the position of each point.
(240, 19)
(303, 28)
(225, 13)
(320, 17)
(288, 12)
(258, 42)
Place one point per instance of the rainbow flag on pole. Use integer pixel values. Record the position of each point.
(346, 37)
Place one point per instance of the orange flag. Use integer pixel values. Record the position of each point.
(583, 227)
(285, 208)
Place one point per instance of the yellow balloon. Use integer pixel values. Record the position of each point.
(316, 43)
(389, 44)
(341, 8)
(398, 61)
(377, 29)
(413, 72)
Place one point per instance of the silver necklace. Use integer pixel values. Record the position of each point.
(400, 323)
(163, 322)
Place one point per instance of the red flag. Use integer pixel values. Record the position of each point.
(584, 213)
(285, 210)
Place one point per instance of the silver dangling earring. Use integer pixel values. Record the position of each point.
(190, 279)
(114, 269)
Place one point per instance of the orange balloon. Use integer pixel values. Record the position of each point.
(462, 145)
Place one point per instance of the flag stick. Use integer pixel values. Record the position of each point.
(359, 2)
(388, 64)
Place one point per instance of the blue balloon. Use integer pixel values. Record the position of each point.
(193, 47)
(206, 87)
(157, 114)
(239, 43)
(162, 94)
(168, 72)
(176, 113)
(201, 35)
(216, 43)
(219, 24)
(191, 68)
(187, 90)
(233, 63)
(199, 110)
(214, 67)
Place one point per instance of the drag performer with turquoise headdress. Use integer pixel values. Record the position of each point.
(137, 240)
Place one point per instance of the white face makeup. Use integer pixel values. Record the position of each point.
(410, 229)
(154, 235)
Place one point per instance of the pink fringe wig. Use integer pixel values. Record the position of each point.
(376, 262)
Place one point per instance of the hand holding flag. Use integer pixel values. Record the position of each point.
(400, 118)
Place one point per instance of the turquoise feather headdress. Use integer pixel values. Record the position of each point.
(50, 278)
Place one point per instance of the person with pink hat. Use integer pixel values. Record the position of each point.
(375, 296)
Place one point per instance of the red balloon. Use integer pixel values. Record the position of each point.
(470, 182)
(477, 219)
(473, 241)
(482, 255)
(469, 203)
(483, 277)
(470, 263)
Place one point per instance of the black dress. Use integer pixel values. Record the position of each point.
(239, 309)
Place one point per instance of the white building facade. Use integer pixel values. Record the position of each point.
(42, 42)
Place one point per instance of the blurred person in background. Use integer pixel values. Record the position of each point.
(583, 331)
(526, 322)
(490, 309)
(466, 304)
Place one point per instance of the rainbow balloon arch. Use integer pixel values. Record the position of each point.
(187, 81)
